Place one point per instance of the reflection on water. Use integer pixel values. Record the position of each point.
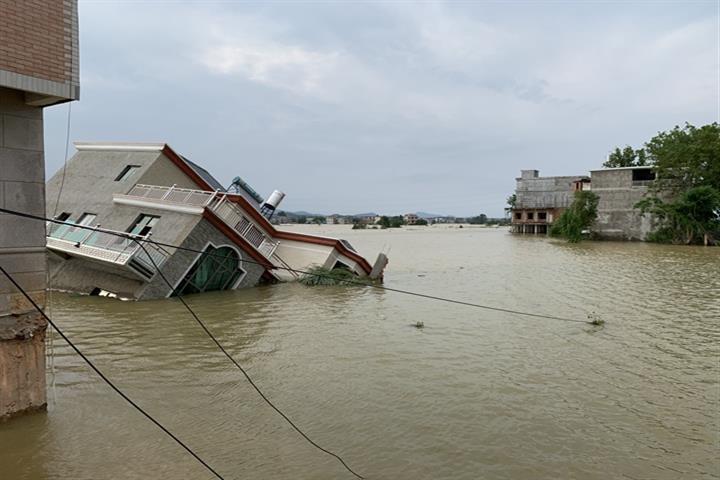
(475, 394)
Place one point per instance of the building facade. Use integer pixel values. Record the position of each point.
(38, 68)
(410, 218)
(539, 201)
(149, 191)
(618, 190)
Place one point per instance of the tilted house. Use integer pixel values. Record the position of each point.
(150, 191)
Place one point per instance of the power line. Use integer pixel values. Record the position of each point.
(304, 272)
(244, 372)
(67, 147)
(107, 380)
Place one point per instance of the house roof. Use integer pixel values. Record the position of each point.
(638, 167)
(198, 174)
(204, 174)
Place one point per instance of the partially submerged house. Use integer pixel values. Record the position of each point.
(540, 200)
(618, 190)
(150, 191)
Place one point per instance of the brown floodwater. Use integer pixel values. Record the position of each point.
(476, 394)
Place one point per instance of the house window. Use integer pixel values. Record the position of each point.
(215, 269)
(127, 172)
(75, 234)
(86, 219)
(530, 215)
(542, 215)
(63, 216)
(643, 175)
(518, 215)
(143, 225)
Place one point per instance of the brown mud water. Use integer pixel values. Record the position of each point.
(475, 394)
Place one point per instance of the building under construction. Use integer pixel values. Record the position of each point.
(541, 200)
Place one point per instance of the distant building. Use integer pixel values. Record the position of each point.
(619, 189)
(541, 200)
(366, 219)
(338, 219)
(410, 218)
(150, 191)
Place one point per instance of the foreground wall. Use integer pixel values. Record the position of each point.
(22, 366)
(38, 67)
(22, 254)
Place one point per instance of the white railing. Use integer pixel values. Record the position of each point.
(218, 203)
(233, 216)
(107, 245)
(185, 196)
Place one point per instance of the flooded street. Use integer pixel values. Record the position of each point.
(476, 394)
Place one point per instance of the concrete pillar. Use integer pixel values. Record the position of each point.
(22, 254)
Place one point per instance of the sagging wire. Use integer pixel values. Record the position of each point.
(106, 379)
(237, 364)
(49, 335)
(304, 272)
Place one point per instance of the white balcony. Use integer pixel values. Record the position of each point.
(195, 201)
(108, 247)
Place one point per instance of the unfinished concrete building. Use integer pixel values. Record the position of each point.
(541, 200)
(618, 190)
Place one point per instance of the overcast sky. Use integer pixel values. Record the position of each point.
(391, 107)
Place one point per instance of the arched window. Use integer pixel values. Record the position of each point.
(215, 269)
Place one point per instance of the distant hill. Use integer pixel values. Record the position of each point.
(430, 215)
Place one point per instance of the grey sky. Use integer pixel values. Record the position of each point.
(391, 106)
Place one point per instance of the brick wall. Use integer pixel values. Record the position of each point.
(38, 38)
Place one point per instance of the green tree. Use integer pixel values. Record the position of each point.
(421, 221)
(511, 201)
(302, 220)
(693, 217)
(685, 197)
(686, 157)
(479, 220)
(391, 222)
(319, 220)
(627, 157)
(577, 218)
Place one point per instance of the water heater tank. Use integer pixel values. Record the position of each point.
(274, 199)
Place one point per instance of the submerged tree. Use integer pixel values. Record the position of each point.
(692, 217)
(577, 218)
(685, 197)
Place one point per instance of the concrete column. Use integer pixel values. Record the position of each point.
(22, 253)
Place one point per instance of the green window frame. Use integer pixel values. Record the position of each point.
(217, 268)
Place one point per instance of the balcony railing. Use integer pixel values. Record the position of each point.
(107, 246)
(234, 217)
(216, 202)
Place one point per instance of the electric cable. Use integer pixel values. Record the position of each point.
(244, 372)
(106, 379)
(67, 147)
(304, 272)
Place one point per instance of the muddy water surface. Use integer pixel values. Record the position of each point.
(474, 395)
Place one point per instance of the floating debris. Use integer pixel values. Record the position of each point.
(595, 319)
(318, 276)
